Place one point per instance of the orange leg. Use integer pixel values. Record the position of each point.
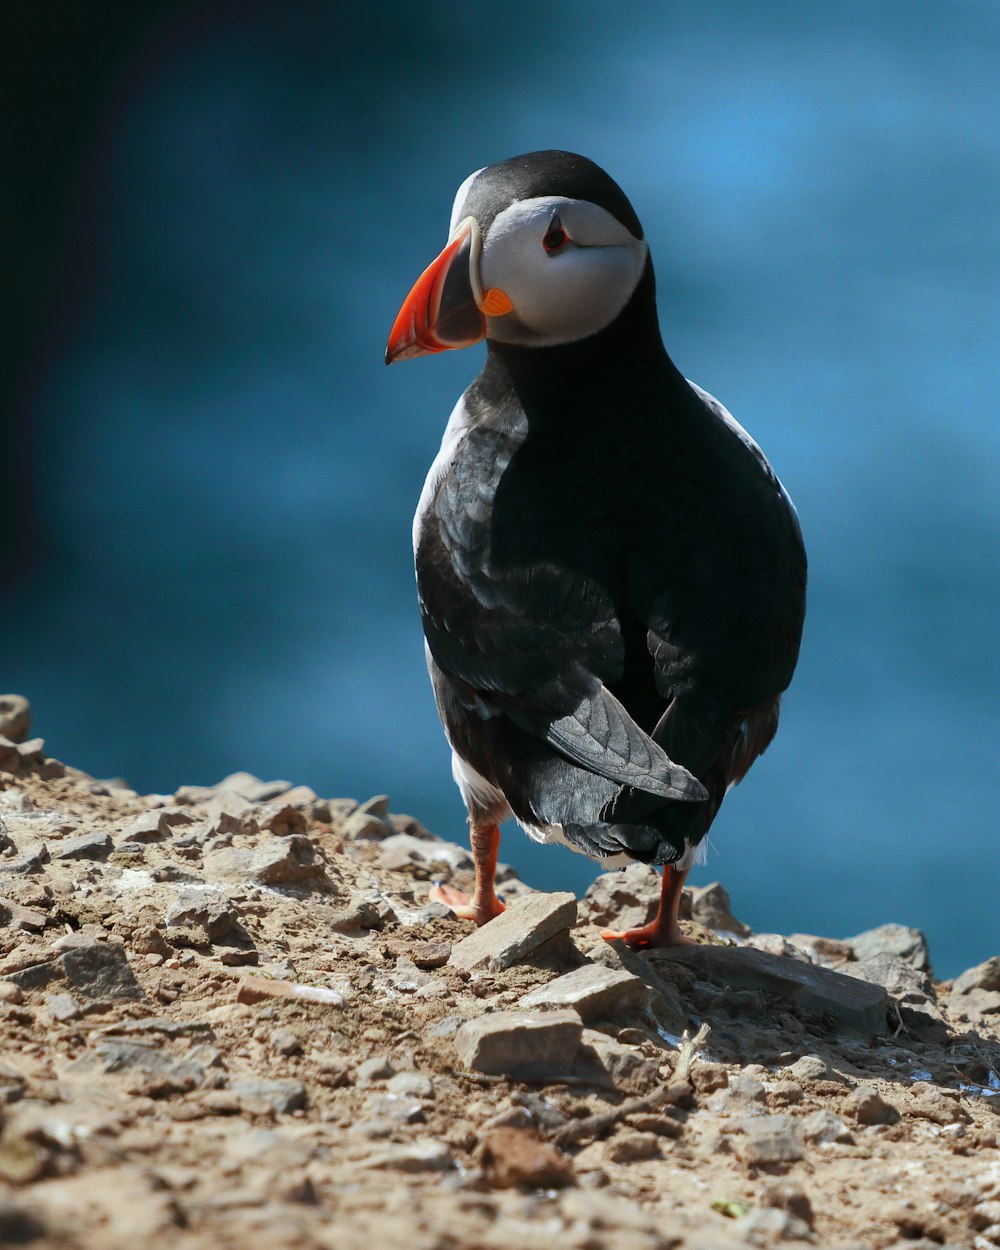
(483, 905)
(664, 929)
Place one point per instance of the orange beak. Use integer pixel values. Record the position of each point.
(445, 309)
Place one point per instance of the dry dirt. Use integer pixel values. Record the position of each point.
(163, 1079)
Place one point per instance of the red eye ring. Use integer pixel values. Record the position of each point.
(555, 238)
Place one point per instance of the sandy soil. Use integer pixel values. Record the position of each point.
(231, 1018)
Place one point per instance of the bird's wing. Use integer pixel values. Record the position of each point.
(530, 638)
(724, 624)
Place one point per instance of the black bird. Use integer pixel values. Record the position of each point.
(611, 577)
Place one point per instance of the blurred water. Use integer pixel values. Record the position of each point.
(229, 471)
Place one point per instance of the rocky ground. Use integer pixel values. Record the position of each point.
(229, 1017)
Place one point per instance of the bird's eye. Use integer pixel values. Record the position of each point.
(555, 238)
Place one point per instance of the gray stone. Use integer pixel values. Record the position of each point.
(765, 1225)
(633, 1147)
(411, 1084)
(15, 717)
(525, 925)
(367, 909)
(772, 1139)
(824, 1126)
(24, 918)
(984, 976)
(27, 864)
(604, 1060)
(276, 861)
(280, 1095)
(520, 1043)
(809, 1068)
(897, 975)
(377, 1068)
(149, 827)
(775, 944)
(205, 907)
(711, 907)
(625, 899)
(860, 1007)
(401, 852)
(866, 1105)
(62, 1007)
(252, 788)
(283, 820)
(144, 1067)
(101, 972)
(596, 992)
(394, 1109)
(893, 939)
(87, 846)
(359, 826)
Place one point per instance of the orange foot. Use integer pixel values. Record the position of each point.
(467, 906)
(649, 936)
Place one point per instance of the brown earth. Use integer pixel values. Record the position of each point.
(231, 1018)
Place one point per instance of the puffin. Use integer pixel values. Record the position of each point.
(611, 577)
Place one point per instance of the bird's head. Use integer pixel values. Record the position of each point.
(543, 249)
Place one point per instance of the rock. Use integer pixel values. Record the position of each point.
(897, 975)
(27, 864)
(866, 1105)
(101, 972)
(772, 1139)
(11, 993)
(984, 976)
(893, 939)
(710, 906)
(786, 1196)
(633, 1147)
(766, 1225)
(513, 1156)
(860, 1007)
(62, 1007)
(411, 1085)
(428, 1155)
(280, 1095)
(401, 852)
(927, 1102)
(708, 1077)
(15, 717)
(143, 1067)
(809, 1068)
(277, 861)
(18, 917)
(205, 907)
(520, 1043)
(525, 925)
(252, 788)
(775, 944)
(601, 1056)
(284, 820)
(361, 826)
(286, 1042)
(627, 898)
(393, 1109)
(368, 909)
(824, 1126)
(595, 992)
(823, 950)
(377, 1068)
(741, 1092)
(151, 826)
(432, 955)
(87, 846)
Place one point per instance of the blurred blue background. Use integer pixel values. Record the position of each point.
(210, 474)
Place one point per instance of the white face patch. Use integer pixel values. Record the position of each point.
(566, 295)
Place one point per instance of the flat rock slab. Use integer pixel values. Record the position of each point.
(100, 971)
(859, 1006)
(594, 991)
(528, 922)
(520, 1043)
